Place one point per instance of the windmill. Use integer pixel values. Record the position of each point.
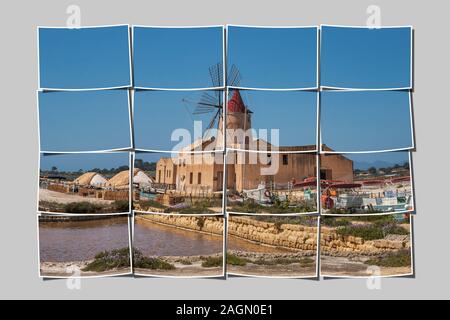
(212, 102)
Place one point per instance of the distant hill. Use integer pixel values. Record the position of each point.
(362, 165)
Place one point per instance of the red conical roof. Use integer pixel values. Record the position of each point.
(236, 104)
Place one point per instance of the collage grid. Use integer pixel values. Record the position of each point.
(215, 220)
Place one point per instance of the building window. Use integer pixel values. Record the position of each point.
(191, 178)
(285, 159)
(199, 178)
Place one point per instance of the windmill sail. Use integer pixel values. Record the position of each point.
(213, 101)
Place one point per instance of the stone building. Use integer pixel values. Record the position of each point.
(193, 172)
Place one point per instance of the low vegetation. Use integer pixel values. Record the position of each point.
(378, 228)
(147, 204)
(185, 262)
(366, 232)
(279, 221)
(212, 262)
(142, 262)
(110, 260)
(250, 206)
(83, 207)
(333, 222)
(304, 262)
(398, 259)
(121, 206)
(235, 260)
(351, 210)
(200, 207)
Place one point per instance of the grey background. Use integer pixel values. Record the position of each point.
(19, 142)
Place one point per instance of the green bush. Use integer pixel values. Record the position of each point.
(366, 232)
(142, 262)
(200, 207)
(335, 222)
(212, 262)
(235, 260)
(392, 228)
(401, 258)
(304, 221)
(146, 204)
(307, 262)
(304, 262)
(121, 206)
(110, 260)
(251, 206)
(82, 207)
(184, 262)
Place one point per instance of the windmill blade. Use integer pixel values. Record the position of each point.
(216, 74)
(207, 103)
(234, 76)
(213, 120)
(203, 111)
(208, 98)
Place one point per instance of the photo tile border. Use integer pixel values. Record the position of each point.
(130, 189)
(220, 154)
(222, 276)
(411, 118)
(317, 146)
(318, 35)
(412, 211)
(130, 123)
(316, 212)
(317, 257)
(130, 59)
(145, 150)
(411, 274)
(226, 214)
(44, 277)
(224, 53)
(412, 55)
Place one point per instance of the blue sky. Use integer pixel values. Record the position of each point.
(84, 121)
(84, 58)
(366, 120)
(274, 57)
(294, 113)
(158, 113)
(176, 57)
(365, 58)
(85, 161)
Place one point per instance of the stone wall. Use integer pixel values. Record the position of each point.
(212, 225)
(337, 245)
(287, 235)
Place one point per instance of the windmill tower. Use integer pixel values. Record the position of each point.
(238, 116)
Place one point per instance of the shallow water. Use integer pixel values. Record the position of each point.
(153, 239)
(160, 240)
(81, 240)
